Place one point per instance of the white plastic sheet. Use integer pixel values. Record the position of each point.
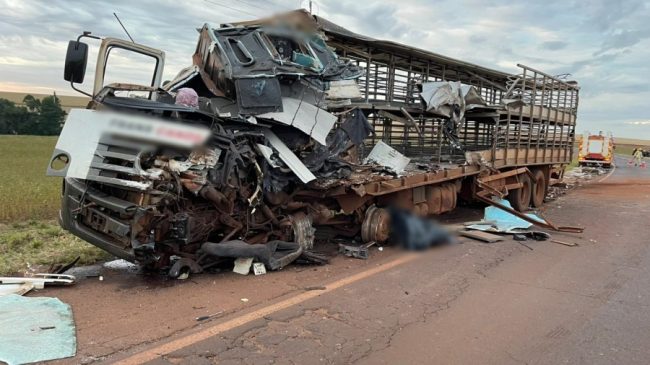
(35, 329)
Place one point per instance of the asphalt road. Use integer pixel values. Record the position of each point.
(499, 303)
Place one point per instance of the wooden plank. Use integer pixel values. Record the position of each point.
(482, 236)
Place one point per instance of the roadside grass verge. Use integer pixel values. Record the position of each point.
(25, 191)
(573, 164)
(29, 202)
(35, 245)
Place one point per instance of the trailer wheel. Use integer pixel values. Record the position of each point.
(376, 225)
(520, 198)
(540, 186)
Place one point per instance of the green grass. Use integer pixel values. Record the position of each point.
(625, 149)
(29, 202)
(573, 164)
(25, 191)
(39, 244)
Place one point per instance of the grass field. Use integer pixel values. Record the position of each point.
(37, 244)
(626, 149)
(25, 191)
(29, 202)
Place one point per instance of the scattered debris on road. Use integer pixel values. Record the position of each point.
(309, 288)
(534, 219)
(120, 264)
(205, 318)
(573, 178)
(61, 269)
(482, 236)
(570, 244)
(22, 285)
(259, 268)
(243, 265)
(359, 252)
(525, 245)
(499, 220)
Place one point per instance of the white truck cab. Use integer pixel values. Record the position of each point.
(116, 57)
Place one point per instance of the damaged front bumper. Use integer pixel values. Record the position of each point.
(94, 216)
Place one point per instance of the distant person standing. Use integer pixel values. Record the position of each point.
(638, 156)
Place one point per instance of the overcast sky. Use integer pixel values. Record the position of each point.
(603, 44)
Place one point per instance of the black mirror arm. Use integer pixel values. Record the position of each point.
(81, 91)
(87, 35)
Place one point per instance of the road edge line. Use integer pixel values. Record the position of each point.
(608, 175)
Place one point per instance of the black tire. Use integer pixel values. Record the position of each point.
(540, 188)
(520, 198)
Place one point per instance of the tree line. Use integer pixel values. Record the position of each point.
(42, 117)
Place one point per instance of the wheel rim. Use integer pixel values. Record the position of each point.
(375, 226)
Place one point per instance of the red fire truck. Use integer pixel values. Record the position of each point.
(596, 150)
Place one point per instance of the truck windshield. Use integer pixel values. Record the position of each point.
(126, 66)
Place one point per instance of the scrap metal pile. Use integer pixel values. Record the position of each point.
(241, 161)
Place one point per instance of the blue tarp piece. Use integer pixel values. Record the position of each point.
(35, 329)
(498, 220)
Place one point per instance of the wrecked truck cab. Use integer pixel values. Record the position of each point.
(256, 66)
(149, 190)
(175, 186)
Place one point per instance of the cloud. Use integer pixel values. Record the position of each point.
(622, 39)
(554, 45)
(605, 46)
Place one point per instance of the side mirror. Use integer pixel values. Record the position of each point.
(75, 62)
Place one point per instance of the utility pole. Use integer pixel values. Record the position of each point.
(310, 7)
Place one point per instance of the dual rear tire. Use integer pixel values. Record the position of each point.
(532, 192)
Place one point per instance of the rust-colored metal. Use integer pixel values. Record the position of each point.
(376, 225)
(130, 87)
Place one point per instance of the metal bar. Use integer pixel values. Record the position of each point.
(548, 125)
(521, 118)
(545, 74)
(531, 116)
(368, 60)
(562, 141)
(507, 135)
(426, 78)
(439, 142)
(541, 120)
(501, 175)
(391, 78)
